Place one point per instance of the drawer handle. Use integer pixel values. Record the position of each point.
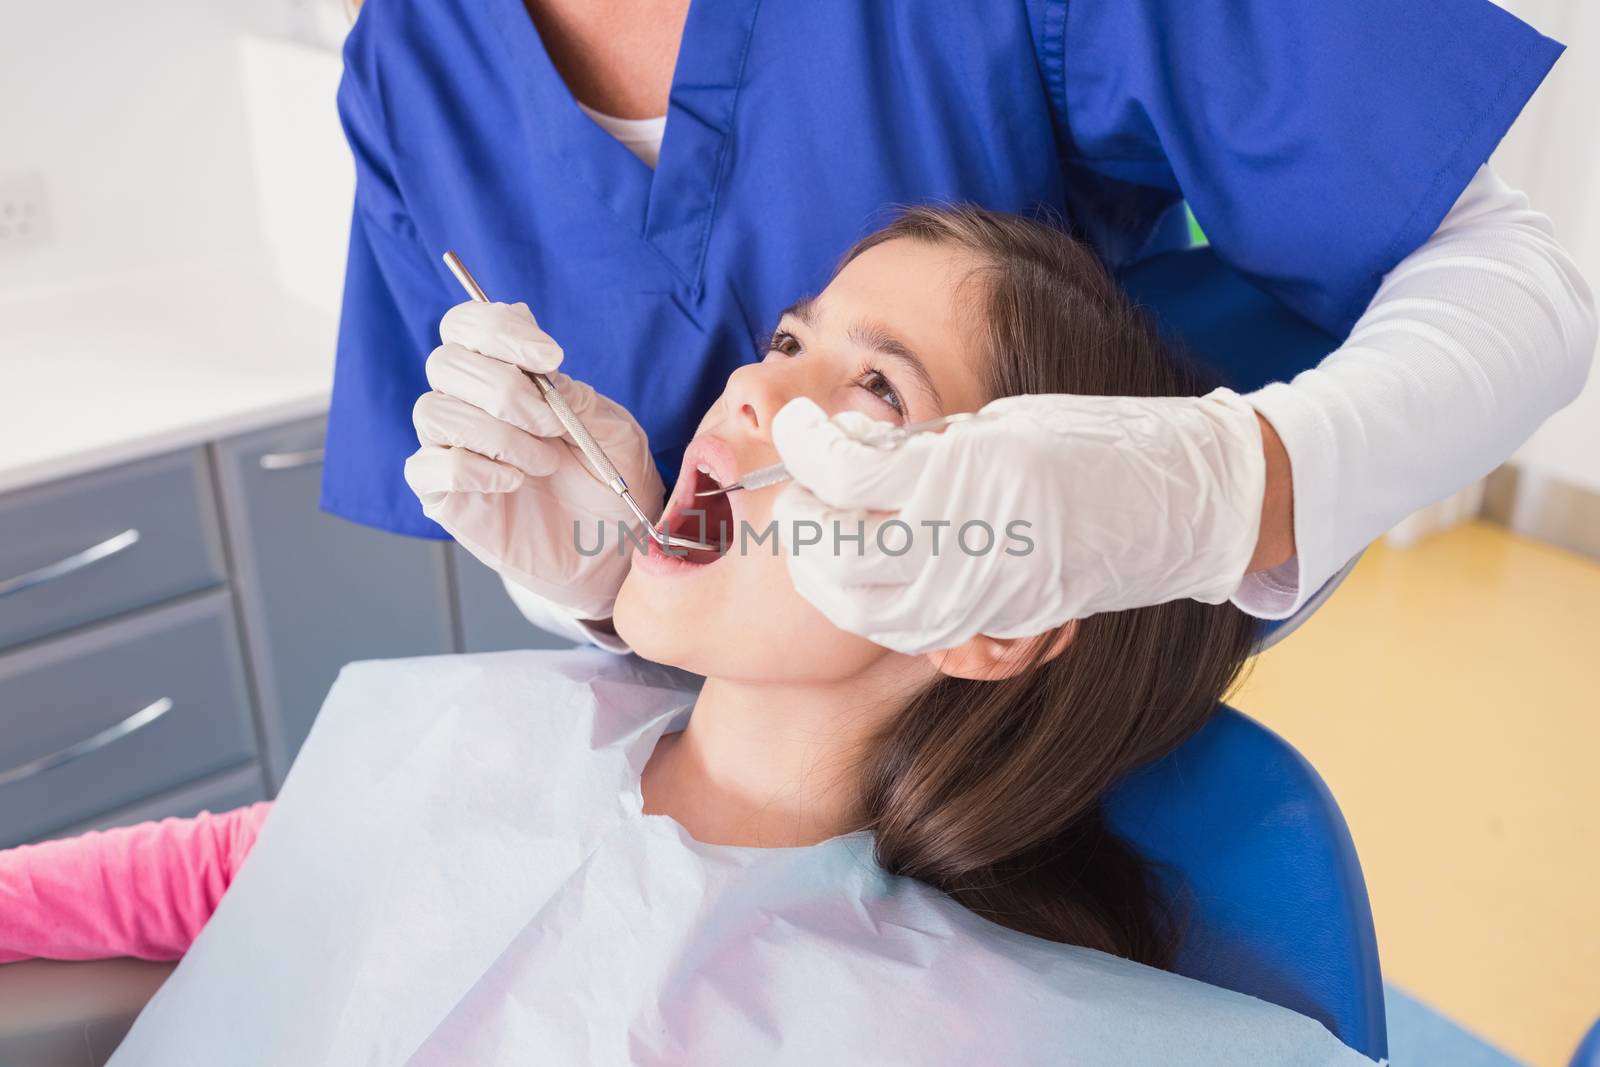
(288, 461)
(138, 720)
(75, 562)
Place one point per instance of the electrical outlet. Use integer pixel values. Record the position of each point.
(24, 215)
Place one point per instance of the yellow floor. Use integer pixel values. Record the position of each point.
(1450, 695)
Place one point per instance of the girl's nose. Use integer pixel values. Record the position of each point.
(756, 391)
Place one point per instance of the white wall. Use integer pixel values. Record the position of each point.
(305, 180)
(134, 117)
(123, 109)
(1554, 154)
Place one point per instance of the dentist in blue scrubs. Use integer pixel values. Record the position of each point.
(656, 180)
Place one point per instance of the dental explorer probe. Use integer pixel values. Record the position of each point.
(579, 432)
(891, 437)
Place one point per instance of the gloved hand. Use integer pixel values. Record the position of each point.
(1128, 502)
(497, 472)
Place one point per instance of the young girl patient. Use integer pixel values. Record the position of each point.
(832, 852)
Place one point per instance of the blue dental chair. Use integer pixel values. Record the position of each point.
(1252, 844)
(1265, 874)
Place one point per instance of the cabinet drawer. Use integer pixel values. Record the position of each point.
(95, 721)
(85, 549)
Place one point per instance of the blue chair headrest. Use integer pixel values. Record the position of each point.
(1261, 863)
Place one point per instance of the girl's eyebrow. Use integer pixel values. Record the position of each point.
(877, 337)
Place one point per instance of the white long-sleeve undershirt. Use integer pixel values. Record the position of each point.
(1471, 342)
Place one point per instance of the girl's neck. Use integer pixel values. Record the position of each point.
(774, 764)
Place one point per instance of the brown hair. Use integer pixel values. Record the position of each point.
(991, 790)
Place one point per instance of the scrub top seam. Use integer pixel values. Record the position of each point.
(1055, 63)
(632, 230)
(356, 100)
(403, 229)
(718, 173)
(1469, 136)
(754, 331)
(405, 232)
(628, 227)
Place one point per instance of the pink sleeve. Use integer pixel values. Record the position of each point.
(141, 890)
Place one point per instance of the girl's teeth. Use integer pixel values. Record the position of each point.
(703, 469)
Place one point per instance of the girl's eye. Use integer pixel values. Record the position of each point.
(784, 343)
(874, 382)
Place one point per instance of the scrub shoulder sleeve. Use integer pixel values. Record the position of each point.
(393, 300)
(1317, 143)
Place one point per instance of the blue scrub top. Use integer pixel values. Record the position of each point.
(1317, 141)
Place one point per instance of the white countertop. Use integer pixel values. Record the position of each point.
(118, 369)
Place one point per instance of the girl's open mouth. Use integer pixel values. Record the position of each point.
(707, 464)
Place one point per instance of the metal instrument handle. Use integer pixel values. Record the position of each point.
(137, 721)
(937, 423)
(75, 562)
(283, 461)
(580, 433)
(564, 414)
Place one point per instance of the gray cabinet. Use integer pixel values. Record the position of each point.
(317, 592)
(170, 628)
(89, 548)
(489, 621)
(223, 791)
(118, 712)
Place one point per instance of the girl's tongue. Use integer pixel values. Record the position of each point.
(707, 518)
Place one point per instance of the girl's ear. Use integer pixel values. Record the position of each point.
(989, 659)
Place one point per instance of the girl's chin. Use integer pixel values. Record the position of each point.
(652, 620)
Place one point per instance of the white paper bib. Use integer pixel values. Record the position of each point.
(458, 872)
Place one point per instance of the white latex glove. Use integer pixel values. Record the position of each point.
(1130, 502)
(497, 472)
